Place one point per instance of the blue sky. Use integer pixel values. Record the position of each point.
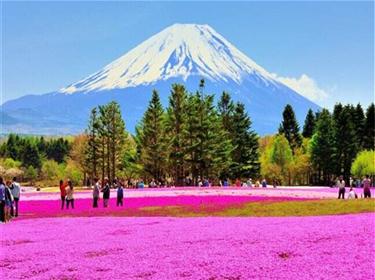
(324, 48)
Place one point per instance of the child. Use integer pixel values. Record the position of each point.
(120, 195)
(352, 194)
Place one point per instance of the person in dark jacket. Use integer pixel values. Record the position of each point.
(106, 192)
(120, 195)
(95, 193)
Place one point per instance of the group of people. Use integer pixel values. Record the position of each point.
(105, 188)
(365, 184)
(10, 192)
(67, 192)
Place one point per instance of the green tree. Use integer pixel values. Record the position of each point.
(358, 117)
(308, 128)
(151, 139)
(245, 156)
(50, 170)
(282, 156)
(289, 127)
(226, 111)
(369, 128)
(31, 173)
(364, 164)
(12, 147)
(30, 155)
(346, 146)
(323, 147)
(176, 123)
(92, 145)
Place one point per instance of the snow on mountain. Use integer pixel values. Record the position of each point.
(181, 50)
(181, 53)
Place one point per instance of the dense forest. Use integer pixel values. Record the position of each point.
(195, 138)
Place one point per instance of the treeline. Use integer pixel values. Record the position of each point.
(31, 151)
(326, 148)
(193, 138)
(30, 157)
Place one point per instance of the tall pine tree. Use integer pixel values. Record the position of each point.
(151, 139)
(176, 131)
(290, 128)
(323, 147)
(308, 128)
(245, 156)
(359, 125)
(369, 128)
(92, 147)
(345, 140)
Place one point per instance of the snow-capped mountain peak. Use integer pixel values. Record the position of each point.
(179, 51)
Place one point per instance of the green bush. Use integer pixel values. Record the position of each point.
(364, 164)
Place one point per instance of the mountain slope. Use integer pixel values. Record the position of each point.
(182, 53)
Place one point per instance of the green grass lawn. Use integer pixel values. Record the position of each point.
(269, 209)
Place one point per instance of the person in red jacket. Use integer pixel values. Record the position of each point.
(62, 193)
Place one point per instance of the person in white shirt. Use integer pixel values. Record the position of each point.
(352, 194)
(16, 191)
(341, 185)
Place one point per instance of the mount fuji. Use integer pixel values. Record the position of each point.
(181, 53)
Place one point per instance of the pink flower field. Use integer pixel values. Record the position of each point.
(133, 206)
(327, 247)
(45, 242)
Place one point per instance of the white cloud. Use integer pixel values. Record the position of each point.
(305, 86)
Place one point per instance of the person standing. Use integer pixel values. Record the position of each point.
(62, 193)
(96, 193)
(341, 185)
(8, 201)
(69, 195)
(2, 200)
(366, 187)
(264, 183)
(120, 195)
(106, 193)
(16, 191)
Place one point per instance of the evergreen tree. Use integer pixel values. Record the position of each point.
(30, 155)
(245, 157)
(323, 147)
(12, 147)
(193, 135)
(176, 123)
(151, 137)
(117, 136)
(369, 128)
(215, 145)
(308, 128)
(289, 127)
(346, 146)
(42, 146)
(359, 125)
(226, 111)
(57, 149)
(92, 147)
